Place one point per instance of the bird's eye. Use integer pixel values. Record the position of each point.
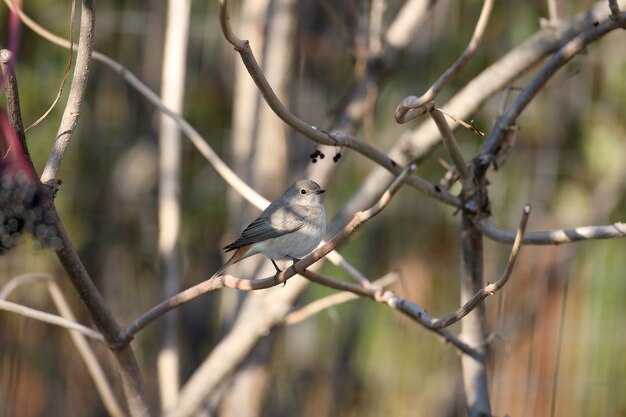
(302, 191)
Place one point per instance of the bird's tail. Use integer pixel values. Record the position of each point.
(239, 254)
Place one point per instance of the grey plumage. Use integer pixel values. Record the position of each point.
(289, 228)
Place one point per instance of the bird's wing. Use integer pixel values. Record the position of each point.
(271, 224)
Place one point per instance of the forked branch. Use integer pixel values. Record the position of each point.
(229, 281)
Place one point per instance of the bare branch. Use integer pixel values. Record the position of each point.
(418, 143)
(338, 259)
(200, 143)
(417, 313)
(408, 308)
(49, 318)
(14, 112)
(66, 253)
(76, 94)
(615, 11)
(420, 316)
(453, 147)
(490, 289)
(314, 133)
(78, 336)
(104, 320)
(20, 280)
(408, 109)
(229, 281)
(65, 75)
(560, 58)
(554, 237)
(324, 303)
(86, 352)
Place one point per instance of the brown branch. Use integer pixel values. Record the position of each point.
(411, 107)
(229, 281)
(419, 315)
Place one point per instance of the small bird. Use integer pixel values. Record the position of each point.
(289, 228)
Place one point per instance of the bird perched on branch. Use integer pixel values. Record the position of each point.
(289, 228)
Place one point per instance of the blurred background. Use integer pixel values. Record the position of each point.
(558, 333)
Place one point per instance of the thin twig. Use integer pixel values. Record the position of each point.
(229, 281)
(77, 336)
(77, 92)
(86, 352)
(20, 280)
(408, 308)
(489, 289)
(65, 75)
(419, 143)
(453, 147)
(408, 109)
(560, 58)
(417, 313)
(324, 303)
(201, 144)
(338, 259)
(312, 132)
(14, 112)
(49, 318)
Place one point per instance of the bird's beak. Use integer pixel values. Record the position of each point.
(320, 191)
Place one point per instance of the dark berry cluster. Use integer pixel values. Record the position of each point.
(318, 154)
(315, 155)
(21, 210)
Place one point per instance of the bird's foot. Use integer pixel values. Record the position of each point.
(278, 271)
